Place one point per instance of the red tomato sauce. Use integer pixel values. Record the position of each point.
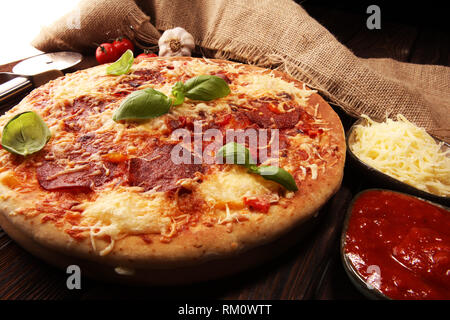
(403, 239)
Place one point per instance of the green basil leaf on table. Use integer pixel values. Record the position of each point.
(206, 87)
(178, 91)
(143, 104)
(25, 134)
(238, 154)
(122, 65)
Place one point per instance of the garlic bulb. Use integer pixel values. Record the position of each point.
(176, 42)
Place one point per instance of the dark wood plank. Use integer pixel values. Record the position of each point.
(431, 47)
(23, 276)
(335, 284)
(391, 41)
(343, 25)
(320, 251)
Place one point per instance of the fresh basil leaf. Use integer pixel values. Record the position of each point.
(276, 174)
(178, 91)
(143, 104)
(235, 153)
(25, 134)
(206, 87)
(122, 65)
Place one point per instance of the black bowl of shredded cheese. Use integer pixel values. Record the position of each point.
(396, 154)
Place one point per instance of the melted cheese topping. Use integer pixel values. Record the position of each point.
(405, 152)
(123, 213)
(228, 188)
(85, 84)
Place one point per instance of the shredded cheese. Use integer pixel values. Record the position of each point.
(123, 271)
(232, 217)
(260, 85)
(405, 152)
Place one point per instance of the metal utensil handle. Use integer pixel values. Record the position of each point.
(13, 88)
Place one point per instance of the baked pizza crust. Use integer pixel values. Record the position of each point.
(198, 253)
(196, 271)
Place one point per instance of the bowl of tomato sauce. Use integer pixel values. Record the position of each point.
(397, 246)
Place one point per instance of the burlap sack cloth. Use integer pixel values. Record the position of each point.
(270, 33)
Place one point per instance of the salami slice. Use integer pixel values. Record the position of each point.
(79, 109)
(148, 76)
(52, 176)
(266, 118)
(159, 170)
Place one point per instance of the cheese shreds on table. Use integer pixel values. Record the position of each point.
(87, 147)
(404, 151)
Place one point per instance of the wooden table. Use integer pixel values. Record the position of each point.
(309, 270)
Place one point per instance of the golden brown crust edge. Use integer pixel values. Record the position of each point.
(190, 247)
(207, 270)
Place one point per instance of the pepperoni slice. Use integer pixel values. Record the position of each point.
(159, 169)
(81, 108)
(148, 75)
(84, 174)
(264, 117)
(84, 177)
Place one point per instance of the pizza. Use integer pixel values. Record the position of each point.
(108, 195)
